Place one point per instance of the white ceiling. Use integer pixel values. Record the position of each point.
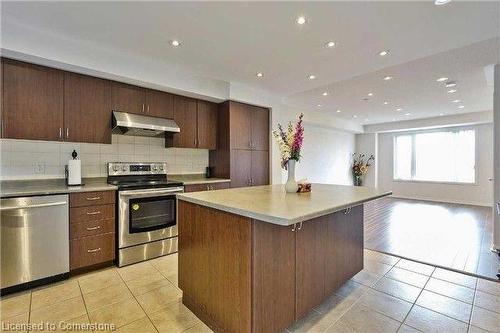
(232, 41)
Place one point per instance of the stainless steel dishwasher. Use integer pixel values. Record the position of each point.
(35, 239)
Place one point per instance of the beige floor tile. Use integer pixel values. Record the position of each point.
(65, 310)
(102, 297)
(485, 319)
(15, 304)
(173, 277)
(457, 278)
(487, 286)
(407, 329)
(398, 289)
(136, 271)
(403, 275)
(200, 328)
(174, 318)
(367, 278)
(363, 319)
(487, 301)
(54, 293)
(351, 289)
(336, 304)
(451, 290)
(143, 325)
(159, 298)
(147, 283)
(426, 320)
(415, 267)
(376, 267)
(119, 314)
(72, 325)
(7, 324)
(99, 280)
(381, 257)
(314, 322)
(474, 329)
(445, 305)
(166, 264)
(388, 305)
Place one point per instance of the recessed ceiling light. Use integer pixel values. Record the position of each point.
(407, 114)
(301, 20)
(383, 53)
(442, 79)
(387, 78)
(385, 103)
(441, 2)
(319, 105)
(441, 114)
(461, 106)
(259, 74)
(325, 93)
(370, 94)
(451, 91)
(355, 116)
(399, 109)
(338, 111)
(312, 77)
(456, 101)
(330, 44)
(175, 43)
(450, 84)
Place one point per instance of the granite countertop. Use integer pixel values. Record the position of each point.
(194, 179)
(17, 188)
(271, 204)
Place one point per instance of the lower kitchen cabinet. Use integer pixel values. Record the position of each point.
(92, 228)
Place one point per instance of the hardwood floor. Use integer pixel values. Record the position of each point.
(449, 235)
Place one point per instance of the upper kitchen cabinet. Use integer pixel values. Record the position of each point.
(185, 115)
(87, 109)
(128, 98)
(249, 126)
(32, 102)
(159, 104)
(207, 125)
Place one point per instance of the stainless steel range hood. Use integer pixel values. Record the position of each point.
(139, 125)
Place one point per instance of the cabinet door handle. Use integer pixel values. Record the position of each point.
(97, 227)
(93, 213)
(60, 133)
(93, 198)
(67, 132)
(142, 107)
(94, 250)
(293, 228)
(148, 109)
(347, 210)
(300, 226)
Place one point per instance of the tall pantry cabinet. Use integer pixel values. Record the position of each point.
(243, 144)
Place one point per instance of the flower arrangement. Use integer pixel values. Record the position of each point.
(360, 166)
(290, 142)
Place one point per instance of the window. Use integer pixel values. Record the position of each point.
(436, 156)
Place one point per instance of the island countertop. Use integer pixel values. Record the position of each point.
(271, 204)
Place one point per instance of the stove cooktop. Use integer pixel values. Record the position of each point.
(143, 183)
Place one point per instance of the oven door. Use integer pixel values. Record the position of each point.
(147, 215)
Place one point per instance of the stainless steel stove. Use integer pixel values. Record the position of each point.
(147, 217)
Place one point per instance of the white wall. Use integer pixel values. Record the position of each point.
(480, 194)
(496, 111)
(25, 159)
(367, 144)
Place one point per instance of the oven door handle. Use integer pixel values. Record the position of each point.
(152, 192)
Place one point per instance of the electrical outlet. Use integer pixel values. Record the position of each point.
(39, 167)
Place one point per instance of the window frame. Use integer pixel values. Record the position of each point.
(413, 159)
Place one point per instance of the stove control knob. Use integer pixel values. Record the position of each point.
(155, 168)
(116, 168)
(161, 167)
(124, 168)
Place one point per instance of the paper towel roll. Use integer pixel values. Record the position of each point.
(74, 172)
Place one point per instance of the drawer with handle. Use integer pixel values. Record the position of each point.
(91, 228)
(206, 187)
(91, 198)
(91, 213)
(92, 250)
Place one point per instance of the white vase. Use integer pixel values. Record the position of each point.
(291, 185)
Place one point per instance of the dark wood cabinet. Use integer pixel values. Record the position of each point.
(185, 115)
(241, 168)
(32, 102)
(207, 125)
(87, 109)
(206, 187)
(159, 104)
(237, 157)
(128, 98)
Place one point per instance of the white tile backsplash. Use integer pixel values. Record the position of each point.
(23, 159)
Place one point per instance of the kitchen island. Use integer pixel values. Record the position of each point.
(256, 259)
